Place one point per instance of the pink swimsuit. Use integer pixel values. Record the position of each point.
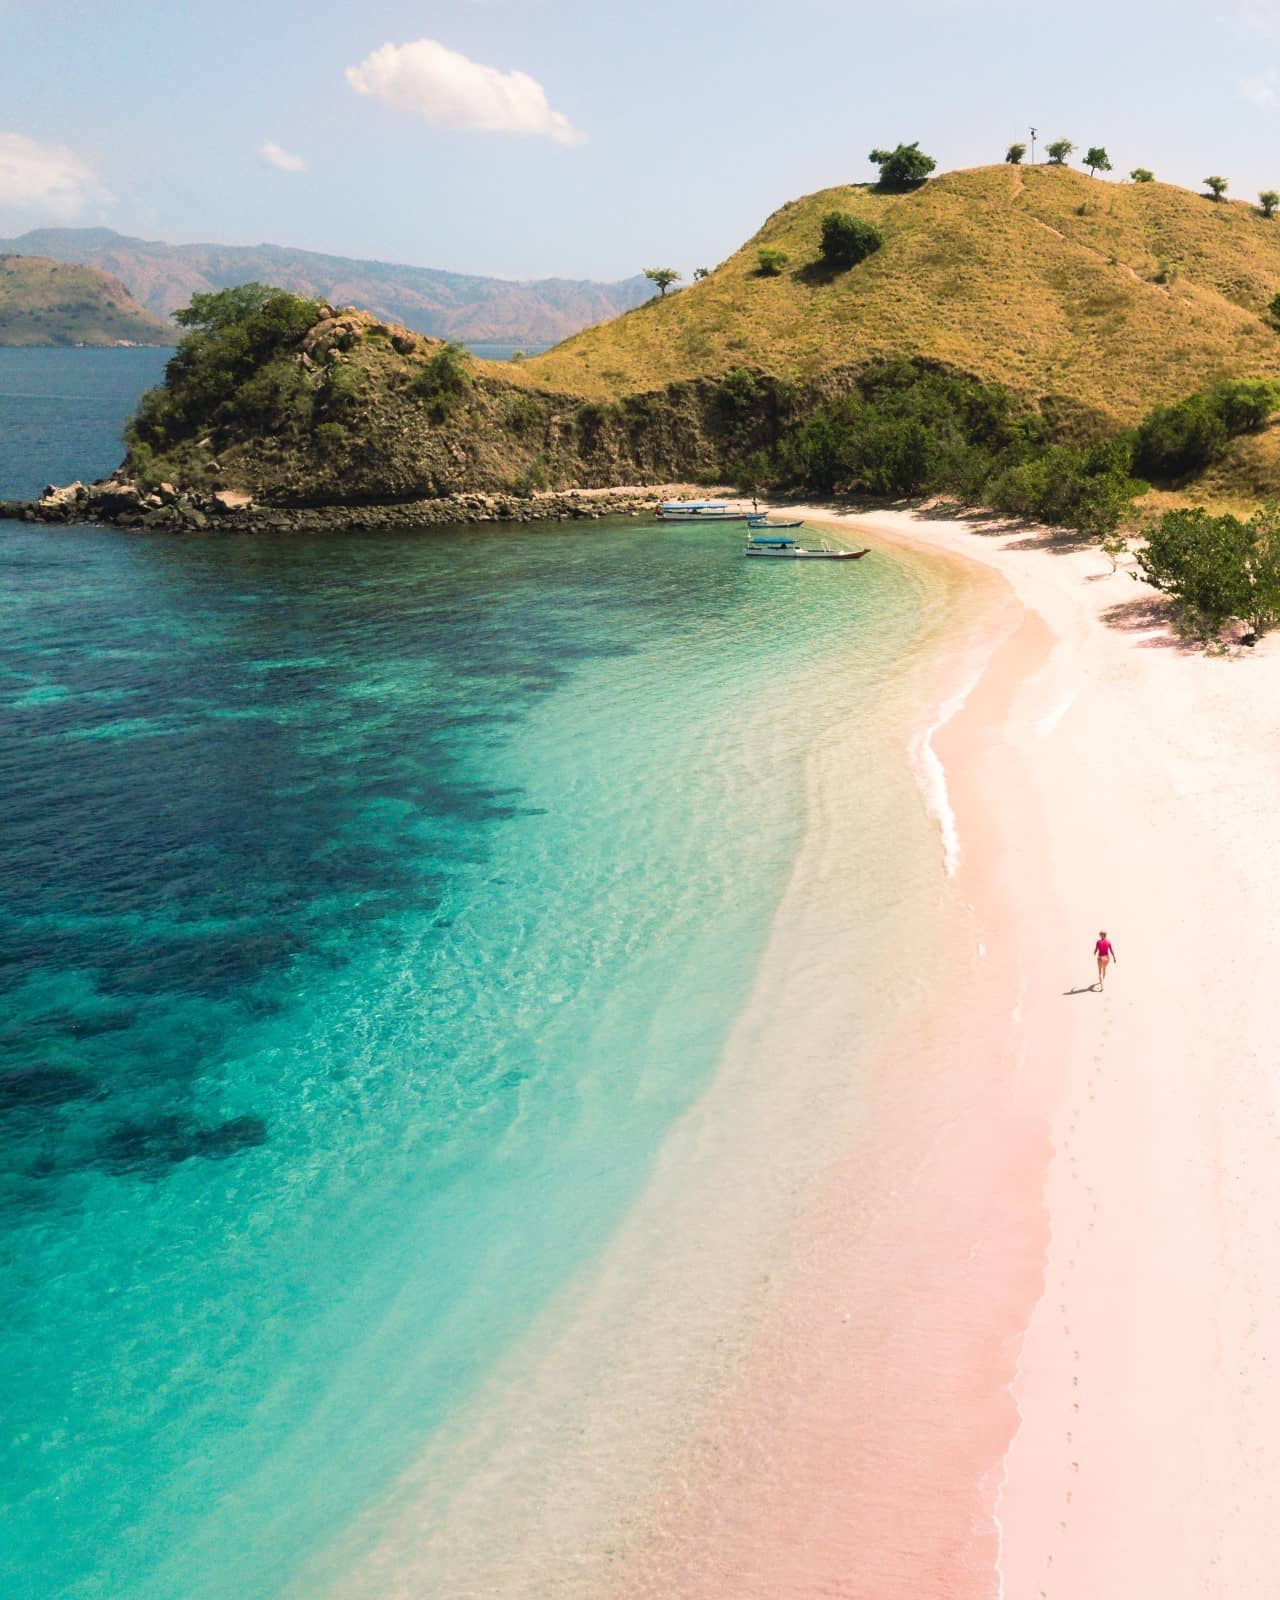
(1103, 949)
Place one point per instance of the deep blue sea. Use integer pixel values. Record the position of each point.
(62, 412)
(369, 908)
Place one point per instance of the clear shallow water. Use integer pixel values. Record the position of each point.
(62, 413)
(371, 907)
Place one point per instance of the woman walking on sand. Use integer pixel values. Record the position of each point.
(1106, 954)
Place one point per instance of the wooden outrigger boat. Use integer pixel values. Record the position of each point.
(781, 546)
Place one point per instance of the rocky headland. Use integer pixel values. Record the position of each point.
(119, 503)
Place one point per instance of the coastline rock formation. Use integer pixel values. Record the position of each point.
(124, 505)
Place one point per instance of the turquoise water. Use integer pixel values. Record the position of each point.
(62, 413)
(371, 906)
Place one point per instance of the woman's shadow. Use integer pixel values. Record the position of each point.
(1089, 988)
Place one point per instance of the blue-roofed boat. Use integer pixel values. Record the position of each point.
(702, 511)
(782, 546)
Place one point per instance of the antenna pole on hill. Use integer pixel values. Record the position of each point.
(1033, 147)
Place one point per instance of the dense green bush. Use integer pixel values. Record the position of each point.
(771, 261)
(1217, 568)
(235, 364)
(739, 396)
(847, 239)
(911, 430)
(1176, 442)
(904, 167)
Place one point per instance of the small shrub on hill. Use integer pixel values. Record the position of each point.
(1014, 154)
(847, 239)
(904, 167)
(523, 413)
(739, 396)
(532, 479)
(1143, 175)
(1268, 200)
(1058, 152)
(1217, 187)
(771, 262)
(444, 380)
(330, 437)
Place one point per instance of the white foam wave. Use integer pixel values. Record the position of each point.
(931, 776)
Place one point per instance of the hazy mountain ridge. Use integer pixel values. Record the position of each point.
(46, 302)
(447, 305)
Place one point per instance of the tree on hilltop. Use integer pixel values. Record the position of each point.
(1218, 186)
(1268, 200)
(699, 273)
(1143, 175)
(847, 239)
(1014, 154)
(1058, 152)
(1097, 160)
(664, 277)
(905, 167)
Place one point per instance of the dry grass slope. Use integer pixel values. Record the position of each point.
(1110, 297)
(43, 302)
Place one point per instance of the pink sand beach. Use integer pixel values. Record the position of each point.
(1002, 1323)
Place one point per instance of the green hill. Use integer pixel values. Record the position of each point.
(1112, 296)
(48, 303)
(1012, 330)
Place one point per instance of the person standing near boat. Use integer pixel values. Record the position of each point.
(1106, 954)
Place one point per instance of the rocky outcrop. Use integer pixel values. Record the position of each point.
(124, 505)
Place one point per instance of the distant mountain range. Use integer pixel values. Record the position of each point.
(45, 302)
(450, 305)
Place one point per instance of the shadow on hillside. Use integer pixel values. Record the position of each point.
(818, 274)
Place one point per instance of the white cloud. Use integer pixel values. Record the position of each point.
(277, 156)
(50, 179)
(451, 91)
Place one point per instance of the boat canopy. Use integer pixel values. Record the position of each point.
(780, 540)
(695, 505)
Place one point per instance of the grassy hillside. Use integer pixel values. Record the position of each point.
(47, 303)
(1002, 345)
(1111, 297)
(449, 305)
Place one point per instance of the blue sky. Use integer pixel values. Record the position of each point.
(634, 136)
